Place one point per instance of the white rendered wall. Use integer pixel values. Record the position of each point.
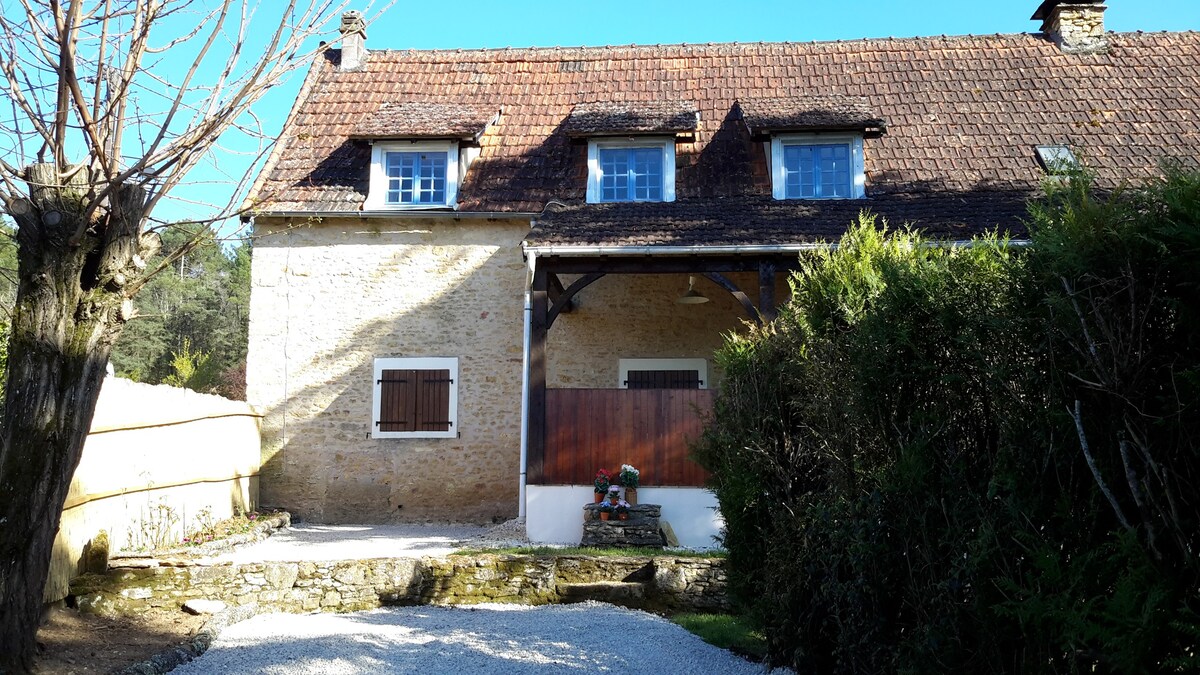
(554, 513)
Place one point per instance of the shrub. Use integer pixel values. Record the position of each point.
(899, 463)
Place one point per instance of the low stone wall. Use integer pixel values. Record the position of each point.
(664, 583)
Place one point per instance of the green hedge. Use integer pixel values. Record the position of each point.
(902, 470)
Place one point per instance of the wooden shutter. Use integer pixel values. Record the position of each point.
(663, 379)
(432, 400)
(396, 389)
(414, 400)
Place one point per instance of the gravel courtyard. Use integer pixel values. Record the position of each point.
(492, 639)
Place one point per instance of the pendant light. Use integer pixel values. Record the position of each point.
(691, 296)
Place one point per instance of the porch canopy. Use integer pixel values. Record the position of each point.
(712, 238)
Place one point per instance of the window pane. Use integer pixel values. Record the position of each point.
(614, 175)
(816, 170)
(416, 177)
(647, 174)
(631, 174)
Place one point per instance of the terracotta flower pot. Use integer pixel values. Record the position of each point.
(598, 497)
(631, 496)
(623, 516)
(604, 515)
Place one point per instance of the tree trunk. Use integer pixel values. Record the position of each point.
(71, 305)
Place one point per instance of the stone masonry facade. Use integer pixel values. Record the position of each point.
(327, 298)
(330, 296)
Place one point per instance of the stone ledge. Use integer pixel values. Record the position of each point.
(200, 555)
(671, 583)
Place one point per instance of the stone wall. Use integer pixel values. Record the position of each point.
(663, 583)
(328, 298)
(155, 459)
(624, 316)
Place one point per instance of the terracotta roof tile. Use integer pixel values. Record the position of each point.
(600, 118)
(744, 221)
(964, 122)
(412, 119)
(810, 112)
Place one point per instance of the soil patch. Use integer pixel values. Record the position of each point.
(77, 644)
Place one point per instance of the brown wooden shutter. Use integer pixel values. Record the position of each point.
(414, 400)
(663, 379)
(433, 400)
(396, 394)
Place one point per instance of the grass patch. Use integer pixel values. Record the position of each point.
(727, 632)
(599, 552)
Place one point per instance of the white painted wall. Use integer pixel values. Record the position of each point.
(554, 513)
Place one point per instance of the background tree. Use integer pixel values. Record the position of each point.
(110, 104)
(202, 301)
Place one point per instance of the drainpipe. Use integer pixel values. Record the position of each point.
(532, 262)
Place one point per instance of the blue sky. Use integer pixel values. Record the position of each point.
(472, 24)
(475, 23)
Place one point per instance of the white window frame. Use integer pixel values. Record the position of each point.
(626, 365)
(378, 188)
(858, 177)
(595, 174)
(415, 363)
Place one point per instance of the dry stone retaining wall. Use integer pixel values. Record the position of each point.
(666, 583)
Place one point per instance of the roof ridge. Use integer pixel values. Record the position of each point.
(759, 43)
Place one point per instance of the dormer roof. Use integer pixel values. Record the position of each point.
(765, 116)
(421, 119)
(622, 118)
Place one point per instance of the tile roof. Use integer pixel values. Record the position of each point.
(604, 118)
(809, 112)
(744, 221)
(416, 119)
(963, 113)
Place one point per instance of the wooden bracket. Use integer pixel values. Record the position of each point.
(564, 299)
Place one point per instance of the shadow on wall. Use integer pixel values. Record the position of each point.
(446, 290)
(332, 298)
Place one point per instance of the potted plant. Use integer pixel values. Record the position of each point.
(629, 477)
(606, 509)
(614, 494)
(622, 510)
(601, 484)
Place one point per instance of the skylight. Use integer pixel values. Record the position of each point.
(1057, 159)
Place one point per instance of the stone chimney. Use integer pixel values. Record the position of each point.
(354, 41)
(1076, 26)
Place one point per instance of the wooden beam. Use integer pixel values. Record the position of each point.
(766, 290)
(664, 264)
(724, 282)
(535, 437)
(566, 299)
(556, 291)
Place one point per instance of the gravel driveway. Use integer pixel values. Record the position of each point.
(492, 639)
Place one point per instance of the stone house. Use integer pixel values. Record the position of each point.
(480, 274)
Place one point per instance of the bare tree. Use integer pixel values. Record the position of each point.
(110, 104)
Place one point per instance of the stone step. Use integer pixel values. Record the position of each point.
(623, 593)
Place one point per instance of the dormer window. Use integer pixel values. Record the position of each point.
(420, 152)
(633, 170)
(420, 174)
(631, 147)
(814, 143)
(817, 166)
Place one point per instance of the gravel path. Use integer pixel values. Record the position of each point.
(354, 542)
(491, 639)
